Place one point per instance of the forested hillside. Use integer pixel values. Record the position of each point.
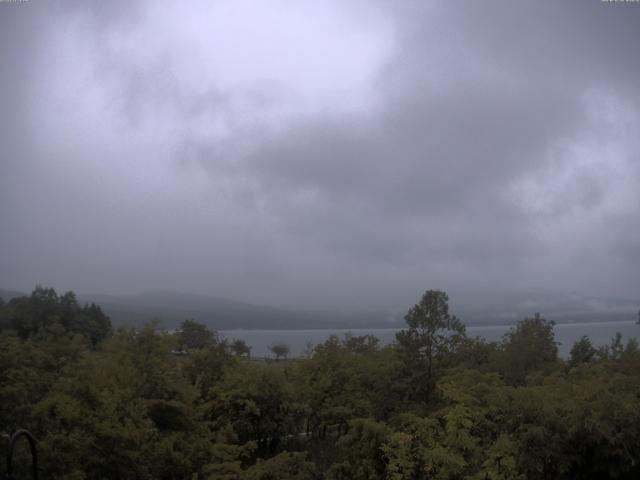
(169, 309)
(143, 404)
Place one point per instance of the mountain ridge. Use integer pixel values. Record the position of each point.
(171, 308)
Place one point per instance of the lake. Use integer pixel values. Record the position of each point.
(600, 333)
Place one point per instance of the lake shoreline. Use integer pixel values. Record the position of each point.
(600, 333)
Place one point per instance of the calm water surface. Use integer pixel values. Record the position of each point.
(298, 340)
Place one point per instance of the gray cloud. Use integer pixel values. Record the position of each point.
(328, 155)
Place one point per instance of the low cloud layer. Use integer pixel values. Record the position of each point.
(320, 154)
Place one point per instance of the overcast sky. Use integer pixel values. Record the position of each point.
(320, 153)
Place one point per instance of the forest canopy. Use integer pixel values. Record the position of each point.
(142, 403)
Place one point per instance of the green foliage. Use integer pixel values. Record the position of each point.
(528, 347)
(430, 343)
(284, 466)
(195, 336)
(280, 350)
(582, 352)
(618, 351)
(240, 348)
(362, 345)
(204, 368)
(258, 402)
(35, 315)
(360, 452)
(339, 384)
(131, 404)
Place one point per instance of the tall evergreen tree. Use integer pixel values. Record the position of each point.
(430, 341)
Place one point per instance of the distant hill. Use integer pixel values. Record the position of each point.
(170, 309)
(498, 308)
(7, 295)
(509, 307)
(218, 313)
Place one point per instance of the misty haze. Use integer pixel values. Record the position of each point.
(320, 239)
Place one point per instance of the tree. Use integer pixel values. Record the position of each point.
(337, 385)
(259, 403)
(193, 335)
(617, 347)
(432, 338)
(362, 344)
(617, 350)
(285, 466)
(30, 315)
(528, 347)
(204, 368)
(418, 450)
(93, 323)
(34, 315)
(280, 350)
(360, 452)
(4, 315)
(582, 351)
(240, 348)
